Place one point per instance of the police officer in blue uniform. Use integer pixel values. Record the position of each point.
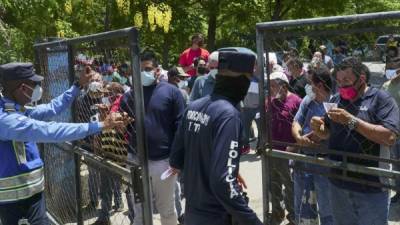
(21, 168)
(206, 148)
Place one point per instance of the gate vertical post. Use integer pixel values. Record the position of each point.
(140, 129)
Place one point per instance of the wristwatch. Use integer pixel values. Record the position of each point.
(352, 124)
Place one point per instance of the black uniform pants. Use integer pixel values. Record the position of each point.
(33, 209)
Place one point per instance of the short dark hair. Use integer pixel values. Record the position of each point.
(197, 36)
(356, 65)
(295, 62)
(149, 56)
(197, 60)
(173, 72)
(321, 75)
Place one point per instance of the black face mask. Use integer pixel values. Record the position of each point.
(234, 88)
(201, 70)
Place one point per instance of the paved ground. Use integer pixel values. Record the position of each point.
(251, 171)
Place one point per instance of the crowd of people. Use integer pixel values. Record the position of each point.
(198, 119)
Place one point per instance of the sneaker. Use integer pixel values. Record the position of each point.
(102, 222)
(395, 198)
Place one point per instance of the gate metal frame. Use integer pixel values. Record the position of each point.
(133, 44)
(269, 29)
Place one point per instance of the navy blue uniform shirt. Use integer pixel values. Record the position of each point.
(206, 148)
(375, 107)
(164, 106)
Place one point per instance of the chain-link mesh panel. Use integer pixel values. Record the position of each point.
(111, 79)
(313, 87)
(60, 180)
(103, 193)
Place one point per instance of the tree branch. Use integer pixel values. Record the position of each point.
(287, 9)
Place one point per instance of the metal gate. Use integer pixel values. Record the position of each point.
(73, 174)
(270, 36)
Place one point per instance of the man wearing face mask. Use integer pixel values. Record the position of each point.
(366, 121)
(164, 106)
(201, 69)
(21, 169)
(177, 77)
(298, 82)
(88, 111)
(283, 107)
(308, 186)
(195, 51)
(204, 85)
(206, 148)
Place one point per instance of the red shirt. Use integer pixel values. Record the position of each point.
(115, 105)
(187, 57)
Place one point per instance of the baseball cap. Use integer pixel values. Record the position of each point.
(278, 75)
(181, 72)
(19, 71)
(177, 71)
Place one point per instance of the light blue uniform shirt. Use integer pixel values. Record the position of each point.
(28, 126)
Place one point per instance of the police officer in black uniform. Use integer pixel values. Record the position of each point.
(206, 148)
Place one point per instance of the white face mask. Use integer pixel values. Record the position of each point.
(95, 86)
(213, 72)
(310, 92)
(278, 94)
(37, 93)
(148, 78)
(182, 84)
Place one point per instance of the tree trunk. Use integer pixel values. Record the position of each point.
(212, 28)
(107, 16)
(165, 53)
(277, 11)
(213, 11)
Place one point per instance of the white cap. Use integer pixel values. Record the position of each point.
(213, 56)
(213, 59)
(277, 68)
(278, 75)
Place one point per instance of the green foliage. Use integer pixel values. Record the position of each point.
(23, 22)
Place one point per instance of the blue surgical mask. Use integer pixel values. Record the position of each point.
(148, 78)
(123, 80)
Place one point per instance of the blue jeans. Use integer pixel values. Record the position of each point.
(94, 184)
(110, 185)
(307, 188)
(356, 208)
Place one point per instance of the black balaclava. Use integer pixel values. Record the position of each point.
(234, 88)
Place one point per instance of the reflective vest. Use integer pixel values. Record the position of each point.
(21, 169)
